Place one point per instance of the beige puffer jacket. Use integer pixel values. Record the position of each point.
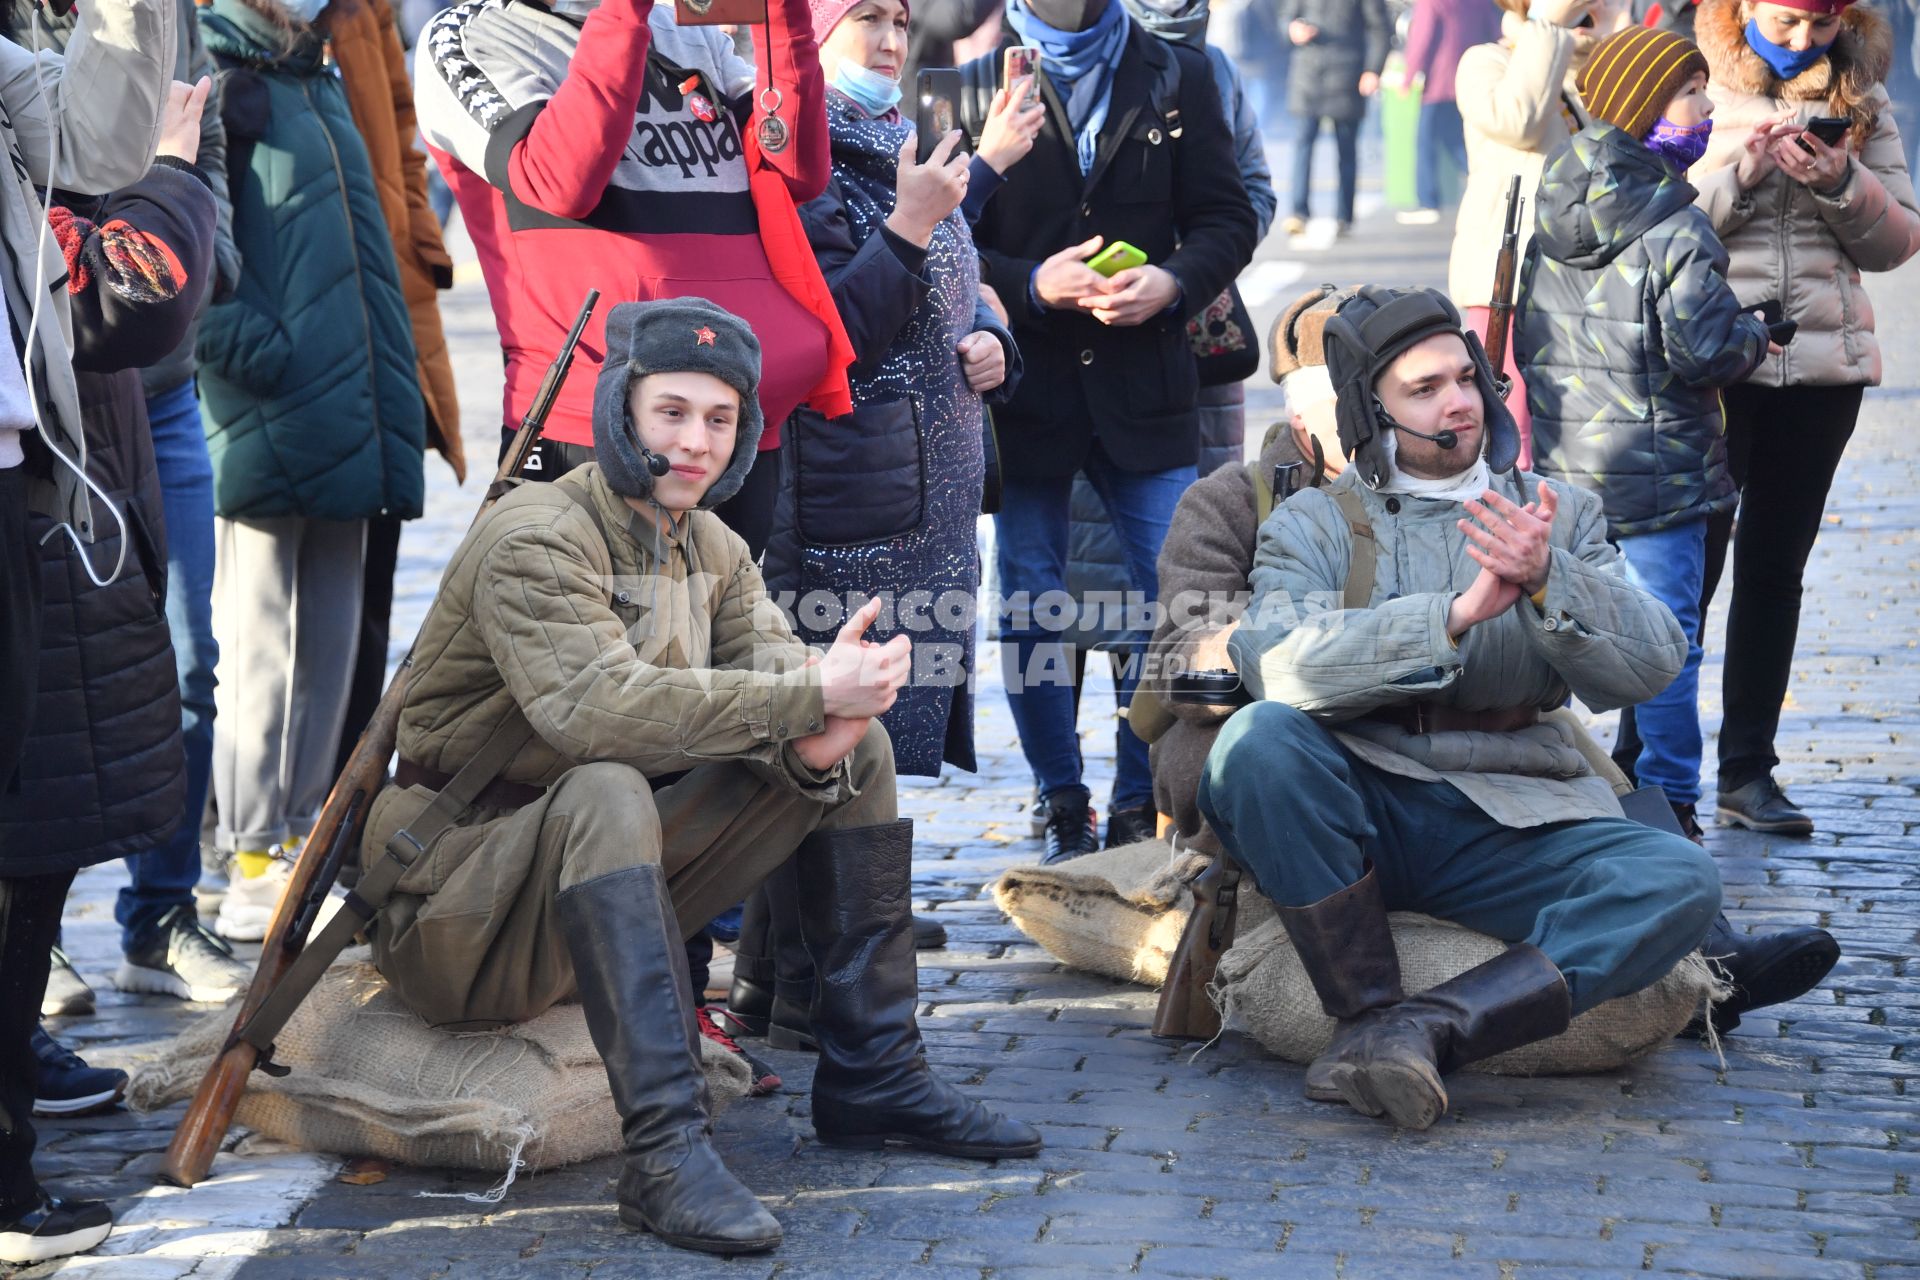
(662, 653)
(1787, 241)
(1513, 98)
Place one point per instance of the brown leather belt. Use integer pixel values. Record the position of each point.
(498, 794)
(1434, 717)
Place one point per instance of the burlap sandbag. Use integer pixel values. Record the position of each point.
(1263, 988)
(1118, 912)
(370, 1078)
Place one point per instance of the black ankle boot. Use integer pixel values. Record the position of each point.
(1765, 968)
(873, 1085)
(1392, 1062)
(631, 970)
(1346, 948)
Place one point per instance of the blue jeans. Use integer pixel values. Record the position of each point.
(1613, 904)
(1031, 532)
(1440, 130)
(1670, 566)
(164, 876)
(1346, 142)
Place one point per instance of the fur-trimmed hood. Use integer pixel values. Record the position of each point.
(1857, 63)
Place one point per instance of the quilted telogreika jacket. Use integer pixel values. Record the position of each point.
(1787, 241)
(1627, 331)
(658, 652)
(1597, 637)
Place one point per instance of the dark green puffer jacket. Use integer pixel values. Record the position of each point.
(307, 374)
(1626, 331)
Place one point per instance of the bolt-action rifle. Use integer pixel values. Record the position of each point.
(289, 967)
(1500, 310)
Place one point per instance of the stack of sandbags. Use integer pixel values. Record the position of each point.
(370, 1078)
(1118, 912)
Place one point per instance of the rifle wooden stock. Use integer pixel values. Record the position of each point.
(339, 826)
(1186, 1010)
(1500, 308)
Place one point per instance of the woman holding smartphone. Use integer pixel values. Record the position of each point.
(883, 502)
(1801, 219)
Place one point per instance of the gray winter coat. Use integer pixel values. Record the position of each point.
(1597, 637)
(1354, 37)
(1627, 331)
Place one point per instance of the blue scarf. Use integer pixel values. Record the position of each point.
(1081, 65)
(1786, 63)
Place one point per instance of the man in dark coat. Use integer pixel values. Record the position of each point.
(1339, 47)
(1135, 148)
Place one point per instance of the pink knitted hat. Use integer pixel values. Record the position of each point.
(827, 15)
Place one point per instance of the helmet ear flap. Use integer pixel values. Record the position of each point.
(1503, 432)
(1350, 363)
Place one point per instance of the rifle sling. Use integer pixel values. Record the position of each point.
(377, 882)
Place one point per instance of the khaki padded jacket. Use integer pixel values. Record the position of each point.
(1785, 240)
(612, 654)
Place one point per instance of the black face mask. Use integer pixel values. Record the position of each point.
(1068, 15)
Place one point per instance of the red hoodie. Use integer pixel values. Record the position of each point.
(600, 146)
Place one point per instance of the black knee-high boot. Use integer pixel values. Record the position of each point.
(631, 969)
(873, 1085)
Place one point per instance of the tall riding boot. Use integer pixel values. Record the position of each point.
(1347, 950)
(1767, 968)
(1392, 1061)
(631, 970)
(873, 1085)
(772, 972)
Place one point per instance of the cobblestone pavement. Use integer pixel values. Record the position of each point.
(1793, 1158)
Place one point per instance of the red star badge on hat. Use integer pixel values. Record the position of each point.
(703, 336)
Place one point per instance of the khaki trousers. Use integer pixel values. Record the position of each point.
(471, 937)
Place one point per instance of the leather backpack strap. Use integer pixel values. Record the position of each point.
(1363, 555)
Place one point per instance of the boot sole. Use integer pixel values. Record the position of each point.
(71, 1007)
(1411, 1098)
(635, 1220)
(742, 1024)
(965, 1151)
(140, 980)
(105, 1100)
(1783, 827)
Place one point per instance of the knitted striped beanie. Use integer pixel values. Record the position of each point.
(1631, 76)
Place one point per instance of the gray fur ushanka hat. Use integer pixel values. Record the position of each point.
(674, 335)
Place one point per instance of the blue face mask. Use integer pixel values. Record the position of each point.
(1786, 63)
(872, 92)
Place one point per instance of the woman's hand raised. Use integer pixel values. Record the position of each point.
(924, 194)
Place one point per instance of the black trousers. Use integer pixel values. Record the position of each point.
(1784, 445)
(369, 678)
(29, 924)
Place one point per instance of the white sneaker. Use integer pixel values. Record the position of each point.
(1417, 217)
(247, 910)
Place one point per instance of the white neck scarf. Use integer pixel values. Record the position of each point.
(1471, 483)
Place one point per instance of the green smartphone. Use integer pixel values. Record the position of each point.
(1117, 257)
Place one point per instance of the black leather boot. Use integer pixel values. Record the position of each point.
(631, 970)
(1347, 950)
(1766, 968)
(1392, 1062)
(873, 1085)
(773, 974)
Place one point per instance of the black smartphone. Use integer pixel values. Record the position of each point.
(938, 113)
(1783, 332)
(1829, 129)
(1770, 312)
